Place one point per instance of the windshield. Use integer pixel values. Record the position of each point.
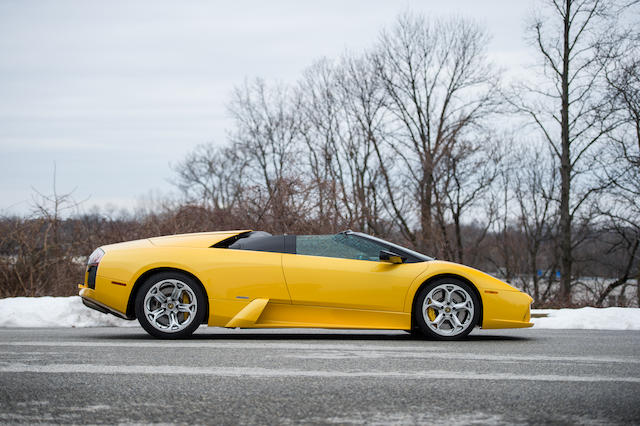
(392, 246)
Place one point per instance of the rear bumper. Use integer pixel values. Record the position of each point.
(88, 301)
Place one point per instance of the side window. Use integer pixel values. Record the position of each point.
(342, 246)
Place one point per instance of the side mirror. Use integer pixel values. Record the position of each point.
(388, 256)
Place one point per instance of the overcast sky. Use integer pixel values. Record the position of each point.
(114, 92)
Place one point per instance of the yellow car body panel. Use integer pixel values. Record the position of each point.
(348, 283)
(258, 289)
(196, 240)
(278, 315)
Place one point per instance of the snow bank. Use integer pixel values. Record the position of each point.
(589, 318)
(54, 312)
(70, 312)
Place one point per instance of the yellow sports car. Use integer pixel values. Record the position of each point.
(252, 279)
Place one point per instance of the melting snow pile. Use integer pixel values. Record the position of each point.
(589, 318)
(70, 312)
(54, 312)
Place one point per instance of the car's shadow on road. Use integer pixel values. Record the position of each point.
(354, 336)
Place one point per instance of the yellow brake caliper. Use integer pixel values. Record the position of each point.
(431, 313)
(185, 299)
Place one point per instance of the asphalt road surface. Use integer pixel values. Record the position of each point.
(116, 375)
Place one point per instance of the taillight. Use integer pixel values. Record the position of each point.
(92, 267)
(95, 257)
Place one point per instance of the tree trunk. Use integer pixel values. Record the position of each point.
(638, 286)
(459, 250)
(426, 210)
(566, 258)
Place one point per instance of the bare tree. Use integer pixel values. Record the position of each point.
(469, 171)
(534, 183)
(441, 89)
(267, 134)
(39, 258)
(364, 100)
(212, 176)
(566, 105)
(321, 109)
(620, 204)
(344, 110)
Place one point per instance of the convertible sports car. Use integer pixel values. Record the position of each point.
(252, 279)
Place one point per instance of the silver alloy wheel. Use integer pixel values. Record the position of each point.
(170, 305)
(448, 310)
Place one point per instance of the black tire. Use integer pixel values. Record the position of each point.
(460, 293)
(174, 319)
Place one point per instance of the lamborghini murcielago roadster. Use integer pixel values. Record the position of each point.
(252, 279)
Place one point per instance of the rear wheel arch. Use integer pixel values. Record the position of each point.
(131, 312)
(438, 277)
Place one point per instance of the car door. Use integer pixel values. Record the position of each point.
(340, 271)
(250, 268)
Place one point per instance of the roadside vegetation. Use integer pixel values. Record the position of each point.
(421, 140)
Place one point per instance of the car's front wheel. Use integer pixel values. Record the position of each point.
(170, 305)
(447, 309)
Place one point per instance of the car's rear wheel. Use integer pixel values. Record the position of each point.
(447, 309)
(170, 305)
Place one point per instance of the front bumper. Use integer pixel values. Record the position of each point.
(506, 309)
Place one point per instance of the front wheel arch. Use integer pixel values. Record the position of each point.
(438, 277)
(131, 312)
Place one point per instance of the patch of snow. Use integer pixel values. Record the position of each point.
(589, 318)
(54, 312)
